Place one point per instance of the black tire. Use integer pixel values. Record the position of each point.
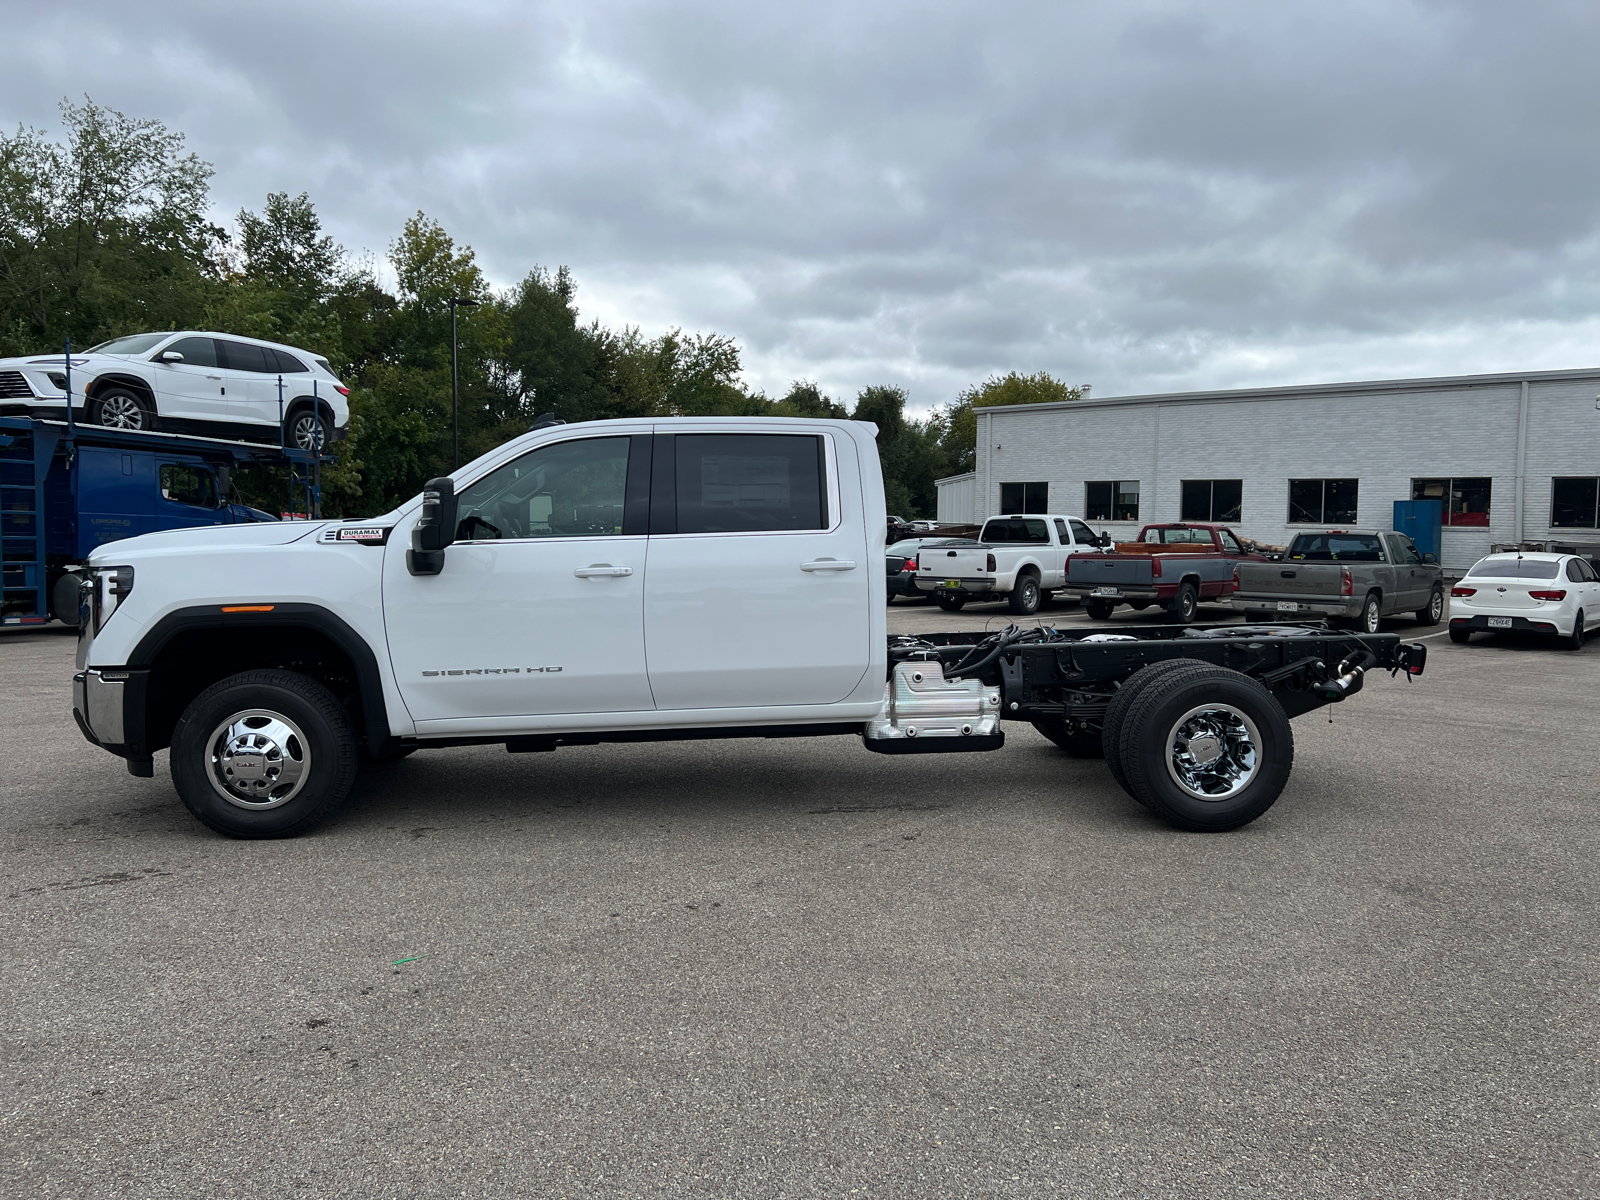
(1024, 598)
(1460, 636)
(1122, 699)
(1200, 700)
(951, 603)
(1434, 613)
(121, 408)
(1185, 605)
(299, 721)
(304, 430)
(1071, 739)
(1098, 610)
(1371, 618)
(1574, 640)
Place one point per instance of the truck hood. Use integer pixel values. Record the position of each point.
(211, 537)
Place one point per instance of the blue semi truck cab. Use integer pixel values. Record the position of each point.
(65, 490)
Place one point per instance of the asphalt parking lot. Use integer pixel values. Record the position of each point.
(793, 968)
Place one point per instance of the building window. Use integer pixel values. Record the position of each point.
(1111, 500)
(1464, 501)
(1024, 497)
(1575, 503)
(1211, 499)
(1322, 501)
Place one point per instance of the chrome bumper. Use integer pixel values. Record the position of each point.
(97, 700)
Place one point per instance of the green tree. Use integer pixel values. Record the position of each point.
(104, 234)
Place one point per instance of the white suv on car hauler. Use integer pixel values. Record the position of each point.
(635, 581)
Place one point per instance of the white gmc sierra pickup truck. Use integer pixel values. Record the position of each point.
(626, 581)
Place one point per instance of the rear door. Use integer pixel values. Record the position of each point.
(251, 375)
(758, 587)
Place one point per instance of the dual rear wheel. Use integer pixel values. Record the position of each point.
(1203, 747)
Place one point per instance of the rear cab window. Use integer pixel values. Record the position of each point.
(1017, 531)
(1336, 547)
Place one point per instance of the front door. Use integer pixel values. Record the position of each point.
(759, 584)
(540, 606)
(191, 390)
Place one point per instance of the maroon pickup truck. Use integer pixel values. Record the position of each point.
(1176, 566)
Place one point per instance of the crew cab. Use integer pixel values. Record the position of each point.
(1174, 565)
(1353, 575)
(631, 581)
(1019, 558)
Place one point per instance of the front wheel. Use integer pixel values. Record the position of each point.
(120, 408)
(1435, 610)
(951, 603)
(263, 754)
(1208, 750)
(1574, 641)
(1024, 598)
(1098, 610)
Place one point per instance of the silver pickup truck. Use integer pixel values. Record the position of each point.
(1359, 575)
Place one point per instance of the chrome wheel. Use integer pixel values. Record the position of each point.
(259, 759)
(306, 432)
(121, 411)
(1213, 751)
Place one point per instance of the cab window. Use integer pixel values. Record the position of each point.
(569, 489)
(188, 485)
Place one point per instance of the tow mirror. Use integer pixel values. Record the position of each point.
(435, 528)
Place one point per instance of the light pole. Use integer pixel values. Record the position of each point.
(455, 409)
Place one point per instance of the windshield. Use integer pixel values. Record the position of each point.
(1513, 568)
(1336, 547)
(137, 344)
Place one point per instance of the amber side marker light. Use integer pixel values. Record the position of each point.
(232, 608)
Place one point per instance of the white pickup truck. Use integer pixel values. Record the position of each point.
(628, 581)
(1021, 559)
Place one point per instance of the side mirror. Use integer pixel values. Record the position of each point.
(435, 528)
(1431, 558)
(171, 356)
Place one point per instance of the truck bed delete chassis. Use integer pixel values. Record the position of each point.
(1057, 675)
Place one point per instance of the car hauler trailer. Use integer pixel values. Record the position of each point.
(68, 488)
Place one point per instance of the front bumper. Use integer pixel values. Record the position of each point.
(108, 706)
(1479, 623)
(1321, 608)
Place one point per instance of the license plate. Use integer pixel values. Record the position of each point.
(1288, 606)
(1106, 592)
(1499, 622)
(952, 584)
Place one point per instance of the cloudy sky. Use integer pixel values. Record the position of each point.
(1140, 196)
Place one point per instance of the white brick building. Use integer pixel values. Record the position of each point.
(1514, 457)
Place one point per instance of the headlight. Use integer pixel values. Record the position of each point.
(106, 588)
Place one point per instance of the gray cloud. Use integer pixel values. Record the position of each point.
(1141, 196)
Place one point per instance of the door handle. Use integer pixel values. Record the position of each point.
(828, 564)
(602, 570)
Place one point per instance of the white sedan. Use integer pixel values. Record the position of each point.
(1552, 594)
(215, 385)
